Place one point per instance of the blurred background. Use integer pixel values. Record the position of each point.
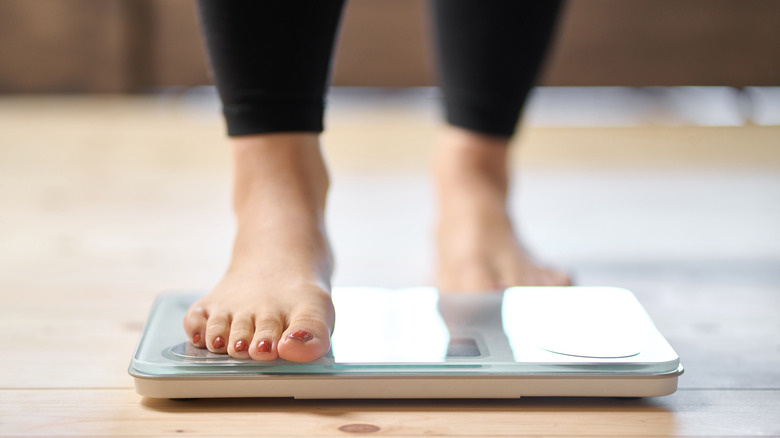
(114, 82)
(120, 46)
(649, 158)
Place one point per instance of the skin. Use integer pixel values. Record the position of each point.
(478, 249)
(274, 300)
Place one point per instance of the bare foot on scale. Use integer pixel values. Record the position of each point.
(478, 249)
(274, 301)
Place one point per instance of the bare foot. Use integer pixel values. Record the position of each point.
(274, 301)
(477, 247)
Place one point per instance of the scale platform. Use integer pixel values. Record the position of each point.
(418, 343)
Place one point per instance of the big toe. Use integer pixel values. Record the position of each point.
(307, 338)
(552, 277)
(561, 279)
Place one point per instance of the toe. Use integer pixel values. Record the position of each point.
(268, 331)
(241, 331)
(217, 331)
(307, 336)
(304, 341)
(195, 325)
(471, 277)
(558, 278)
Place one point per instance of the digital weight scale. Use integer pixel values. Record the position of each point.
(418, 343)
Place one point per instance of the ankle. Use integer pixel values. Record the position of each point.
(286, 169)
(468, 161)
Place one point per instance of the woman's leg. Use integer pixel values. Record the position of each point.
(270, 61)
(489, 52)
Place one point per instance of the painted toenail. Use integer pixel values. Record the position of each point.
(302, 335)
(241, 345)
(218, 343)
(264, 347)
(196, 338)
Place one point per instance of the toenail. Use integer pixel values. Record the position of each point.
(302, 335)
(264, 347)
(241, 345)
(196, 338)
(218, 343)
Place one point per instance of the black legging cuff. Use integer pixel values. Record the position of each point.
(476, 113)
(270, 60)
(489, 53)
(274, 115)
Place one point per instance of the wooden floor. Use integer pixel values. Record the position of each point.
(106, 201)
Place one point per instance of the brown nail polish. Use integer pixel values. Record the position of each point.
(241, 345)
(218, 343)
(264, 347)
(302, 335)
(196, 338)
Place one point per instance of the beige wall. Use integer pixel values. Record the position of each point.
(134, 45)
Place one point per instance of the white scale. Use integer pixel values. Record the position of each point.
(417, 343)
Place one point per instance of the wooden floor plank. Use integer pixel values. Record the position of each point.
(123, 413)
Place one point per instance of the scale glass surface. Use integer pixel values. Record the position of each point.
(417, 343)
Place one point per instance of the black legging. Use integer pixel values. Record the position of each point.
(270, 60)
